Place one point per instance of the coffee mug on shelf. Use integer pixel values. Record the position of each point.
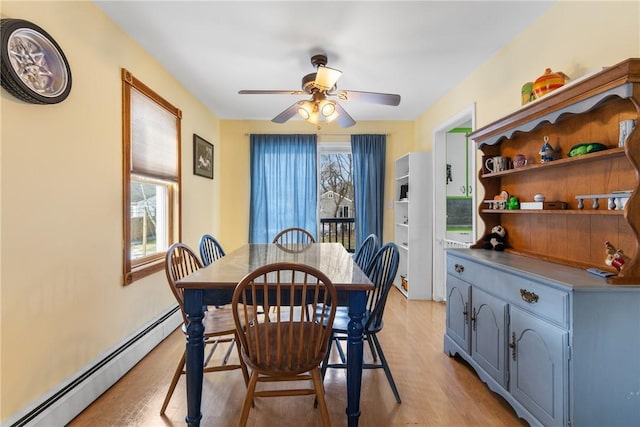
(497, 164)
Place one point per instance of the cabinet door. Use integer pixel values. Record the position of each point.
(488, 331)
(458, 328)
(539, 367)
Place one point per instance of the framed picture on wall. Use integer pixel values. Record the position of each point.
(202, 157)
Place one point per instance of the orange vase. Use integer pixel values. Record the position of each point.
(547, 82)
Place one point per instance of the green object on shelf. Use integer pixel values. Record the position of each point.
(586, 148)
(513, 203)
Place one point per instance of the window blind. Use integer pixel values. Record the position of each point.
(153, 139)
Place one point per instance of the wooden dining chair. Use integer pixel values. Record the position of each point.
(382, 272)
(210, 249)
(287, 345)
(365, 253)
(219, 326)
(294, 235)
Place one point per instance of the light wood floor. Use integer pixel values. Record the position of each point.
(436, 390)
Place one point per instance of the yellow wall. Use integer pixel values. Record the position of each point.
(63, 304)
(235, 168)
(576, 37)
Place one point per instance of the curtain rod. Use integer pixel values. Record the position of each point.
(348, 134)
(321, 134)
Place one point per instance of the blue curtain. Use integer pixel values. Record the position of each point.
(283, 185)
(368, 179)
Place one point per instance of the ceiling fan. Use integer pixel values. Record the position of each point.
(321, 85)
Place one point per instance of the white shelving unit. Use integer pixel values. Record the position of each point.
(413, 218)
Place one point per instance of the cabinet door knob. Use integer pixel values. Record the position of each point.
(529, 297)
(459, 268)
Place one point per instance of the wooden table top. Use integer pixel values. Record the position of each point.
(330, 258)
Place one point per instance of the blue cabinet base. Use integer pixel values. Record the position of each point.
(571, 341)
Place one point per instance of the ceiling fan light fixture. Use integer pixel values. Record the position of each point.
(314, 117)
(326, 107)
(326, 77)
(305, 109)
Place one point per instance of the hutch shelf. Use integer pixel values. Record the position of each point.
(588, 110)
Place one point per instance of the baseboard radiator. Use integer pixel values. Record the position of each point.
(448, 244)
(59, 407)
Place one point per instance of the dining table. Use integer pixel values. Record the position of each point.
(214, 285)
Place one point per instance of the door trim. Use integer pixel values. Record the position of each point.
(440, 194)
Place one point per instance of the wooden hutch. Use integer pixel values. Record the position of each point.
(586, 111)
(561, 345)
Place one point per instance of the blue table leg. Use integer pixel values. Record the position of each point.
(195, 354)
(357, 301)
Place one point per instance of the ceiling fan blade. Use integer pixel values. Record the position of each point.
(373, 97)
(344, 119)
(326, 77)
(286, 114)
(271, 92)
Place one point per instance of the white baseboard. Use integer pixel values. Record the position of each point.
(59, 406)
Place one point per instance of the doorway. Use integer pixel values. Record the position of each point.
(441, 134)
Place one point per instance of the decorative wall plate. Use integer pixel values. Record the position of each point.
(33, 66)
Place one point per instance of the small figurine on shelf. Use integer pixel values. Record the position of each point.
(495, 239)
(619, 260)
(610, 252)
(527, 93)
(615, 257)
(513, 204)
(547, 153)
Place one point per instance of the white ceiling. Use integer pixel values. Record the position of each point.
(418, 49)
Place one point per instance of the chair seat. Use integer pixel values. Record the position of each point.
(219, 321)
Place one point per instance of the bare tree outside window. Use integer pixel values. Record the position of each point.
(336, 184)
(337, 202)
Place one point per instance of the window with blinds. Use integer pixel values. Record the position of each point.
(151, 177)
